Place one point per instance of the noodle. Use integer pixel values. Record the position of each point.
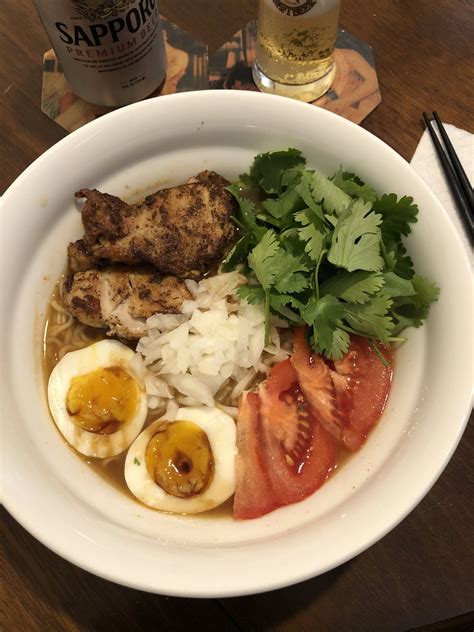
(62, 332)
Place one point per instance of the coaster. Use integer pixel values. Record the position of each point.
(353, 94)
(186, 70)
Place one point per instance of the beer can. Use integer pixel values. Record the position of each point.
(111, 51)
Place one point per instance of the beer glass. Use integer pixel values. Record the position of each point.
(295, 47)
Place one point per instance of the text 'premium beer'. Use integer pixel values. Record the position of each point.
(111, 51)
(295, 47)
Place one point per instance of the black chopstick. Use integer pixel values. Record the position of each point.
(455, 160)
(455, 175)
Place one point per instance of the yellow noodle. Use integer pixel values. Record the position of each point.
(58, 308)
(57, 328)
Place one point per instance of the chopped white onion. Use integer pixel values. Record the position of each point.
(216, 339)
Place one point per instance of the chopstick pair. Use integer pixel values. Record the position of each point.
(454, 172)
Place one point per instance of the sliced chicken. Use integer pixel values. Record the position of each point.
(80, 259)
(181, 231)
(82, 297)
(121, 301)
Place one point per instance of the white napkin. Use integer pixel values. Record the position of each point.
(425, 161)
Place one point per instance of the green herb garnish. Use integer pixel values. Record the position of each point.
(327, 252)
(136, 461)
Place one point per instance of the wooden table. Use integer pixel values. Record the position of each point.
(423, 571)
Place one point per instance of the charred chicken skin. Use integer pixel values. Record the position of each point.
(181, 230)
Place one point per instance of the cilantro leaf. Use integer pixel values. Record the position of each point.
(334, 200)
(331, 219)
(398, 261)
(291, 177)
(289, 279)
(304, 190)
(267, 169)
(287, 203)
(395, 285)
(247, 212)
(356, 241)
(353, 287)
(239, 252)
(353, 186)
(324, 316)
(261, 259)
(314, 241)
(280, 302)
(371, 318)
(253, 294)
(339, 346)
(427, 292)
(313, 232)
(411, 311)
(397, 215)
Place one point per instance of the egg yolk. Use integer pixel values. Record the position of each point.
(179, 459)
(102, 400)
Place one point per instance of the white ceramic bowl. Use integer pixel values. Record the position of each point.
(77, 514)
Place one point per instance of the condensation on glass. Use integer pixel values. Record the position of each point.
(295, 47)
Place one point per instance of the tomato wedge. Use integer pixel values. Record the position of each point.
(367, 385)
(284, 454)
(348, 396)
(299, 453)
(253, 494)
(316, 383)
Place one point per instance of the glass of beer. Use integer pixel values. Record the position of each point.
(295, 47)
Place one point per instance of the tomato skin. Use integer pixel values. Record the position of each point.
(315, 380)
(368, 382)
(349, 397)
(253, 493)
(299, 453)
(281, 377)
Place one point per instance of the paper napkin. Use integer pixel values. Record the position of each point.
(425, 161)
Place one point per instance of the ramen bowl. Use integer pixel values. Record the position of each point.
(88, 521)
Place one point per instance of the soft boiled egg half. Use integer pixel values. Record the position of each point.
(97, 402)
(186, 465)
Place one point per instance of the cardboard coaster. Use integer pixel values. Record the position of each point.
(187, 70)
(353, 94)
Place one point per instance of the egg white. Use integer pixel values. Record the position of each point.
(221, 433)
(103, 354)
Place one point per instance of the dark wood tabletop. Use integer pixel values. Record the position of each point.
(421, 575)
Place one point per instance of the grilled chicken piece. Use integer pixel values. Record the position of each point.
(121, 301)
(181, 231)
(80, 259)
(81, 298)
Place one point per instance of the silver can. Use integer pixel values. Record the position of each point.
(111, 51)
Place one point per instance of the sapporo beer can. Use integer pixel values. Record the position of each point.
(111, 51)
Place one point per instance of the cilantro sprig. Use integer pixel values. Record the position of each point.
(327, 252)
